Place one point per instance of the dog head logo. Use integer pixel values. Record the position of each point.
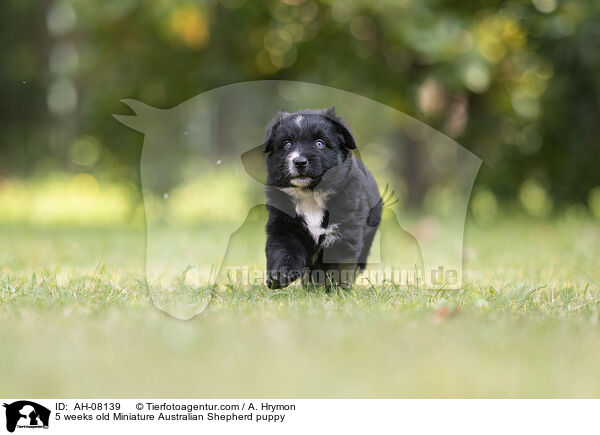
(204, 174)
(26, 414)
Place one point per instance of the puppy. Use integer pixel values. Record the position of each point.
(324, 205)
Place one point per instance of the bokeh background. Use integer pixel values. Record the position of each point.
(517, 83)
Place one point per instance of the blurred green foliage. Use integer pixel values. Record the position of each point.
(515, 82)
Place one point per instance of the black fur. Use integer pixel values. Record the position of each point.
(324, 205)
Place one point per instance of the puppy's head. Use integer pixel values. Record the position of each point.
(302, 146)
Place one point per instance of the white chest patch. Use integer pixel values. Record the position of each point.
(311, 206)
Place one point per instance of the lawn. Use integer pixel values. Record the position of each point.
(76, 320)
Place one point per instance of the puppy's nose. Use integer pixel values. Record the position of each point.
(300, 162)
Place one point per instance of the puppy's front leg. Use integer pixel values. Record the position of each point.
(341, 258)
(286, 259)
(287, 250)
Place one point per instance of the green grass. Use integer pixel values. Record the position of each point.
(76, 320)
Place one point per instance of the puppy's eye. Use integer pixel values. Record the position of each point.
(287, 145)
(319, 144)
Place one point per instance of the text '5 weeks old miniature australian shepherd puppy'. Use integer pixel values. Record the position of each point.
(324, 205)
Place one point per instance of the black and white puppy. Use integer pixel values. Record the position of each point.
(324, 205)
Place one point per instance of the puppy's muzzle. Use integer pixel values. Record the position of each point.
(300, 162)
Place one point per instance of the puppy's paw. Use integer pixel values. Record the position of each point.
(280, 279)
(272, 281)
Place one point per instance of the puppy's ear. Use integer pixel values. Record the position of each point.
(270, 129)
(341, 127)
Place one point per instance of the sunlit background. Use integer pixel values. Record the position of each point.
(516, 83)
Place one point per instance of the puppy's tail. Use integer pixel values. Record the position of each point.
(388, 197)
